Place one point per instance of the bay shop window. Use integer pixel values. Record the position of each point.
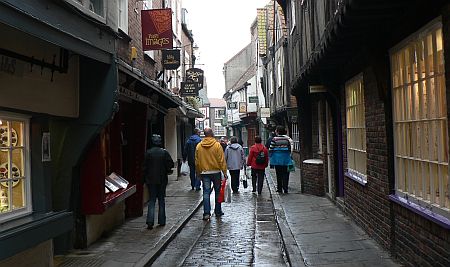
(419, 109)
(15, 192)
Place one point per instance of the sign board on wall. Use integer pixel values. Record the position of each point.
(252, 99)
(242, 107)
(264, 112)
(156, 29)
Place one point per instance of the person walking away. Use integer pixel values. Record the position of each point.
(210, 166)
(269, 140)
(258, 159)
(223, 143)
(280, 157)
(189, 155)
(157, 165)
(235, 158)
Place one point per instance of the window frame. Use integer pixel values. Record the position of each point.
(216, 113)
(28, 207)
(293, 18)
(123, 16)
(295, 135)
(352, 167)
(84, 7)
(222, 129)
(415, 188)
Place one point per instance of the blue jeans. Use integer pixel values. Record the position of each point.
(207, 179)
(195, 183)
(156, 191)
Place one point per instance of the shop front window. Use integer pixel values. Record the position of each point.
(356, 128)
(15, 192)
(419, 107)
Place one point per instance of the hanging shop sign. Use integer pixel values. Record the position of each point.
(195, 75)
(232, 105)
(188, 89)
(157, 29)
(242, 107)
(171, 59)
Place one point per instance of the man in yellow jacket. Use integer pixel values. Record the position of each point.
(210, 165)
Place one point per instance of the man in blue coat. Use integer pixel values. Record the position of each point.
(189, 155)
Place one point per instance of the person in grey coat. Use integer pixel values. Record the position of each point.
(235, 158)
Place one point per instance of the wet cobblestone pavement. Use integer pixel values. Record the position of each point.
(246, 235)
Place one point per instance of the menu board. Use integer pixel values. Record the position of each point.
(117, 180)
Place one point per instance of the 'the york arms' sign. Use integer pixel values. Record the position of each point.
(156, 29)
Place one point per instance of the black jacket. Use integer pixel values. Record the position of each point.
(158, 163)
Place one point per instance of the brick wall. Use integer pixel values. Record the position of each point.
(312, 179)
(369, 205)
(147, 66)
(418, 241)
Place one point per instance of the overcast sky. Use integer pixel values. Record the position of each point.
(221, 28)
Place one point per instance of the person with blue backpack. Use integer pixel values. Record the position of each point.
(280, 157)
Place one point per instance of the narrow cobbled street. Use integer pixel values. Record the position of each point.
(246, 235)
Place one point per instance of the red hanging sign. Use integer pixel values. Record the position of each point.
(156, 29)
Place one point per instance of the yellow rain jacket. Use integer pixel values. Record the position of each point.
(209, 156)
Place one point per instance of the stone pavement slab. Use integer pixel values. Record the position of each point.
(317, 233)
(131, 244)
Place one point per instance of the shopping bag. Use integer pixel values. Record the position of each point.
(222, 191)
(227, 198)
(291, 166)
(184, 170)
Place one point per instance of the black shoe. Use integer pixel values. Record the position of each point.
(219, 214)
(192, 188)
(197, 189)
(279, 191)
(286, 192)
(206, 217)
(162, 224)
(253, 190)
(149, 227)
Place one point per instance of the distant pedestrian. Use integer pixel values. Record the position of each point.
(189, 155)
(235, 158)
(210, 166)
(224, 143)
(157, 165)
(280, 157)
(269, 140)
(258, 159)
(241, 142)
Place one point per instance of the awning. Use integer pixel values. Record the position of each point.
(167, 98)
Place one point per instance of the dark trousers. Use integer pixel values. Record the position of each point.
(195, 183)
(257, 180)
(282, 178)
(156, 191)
(235, 179)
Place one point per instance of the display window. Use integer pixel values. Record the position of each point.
(15, 192)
